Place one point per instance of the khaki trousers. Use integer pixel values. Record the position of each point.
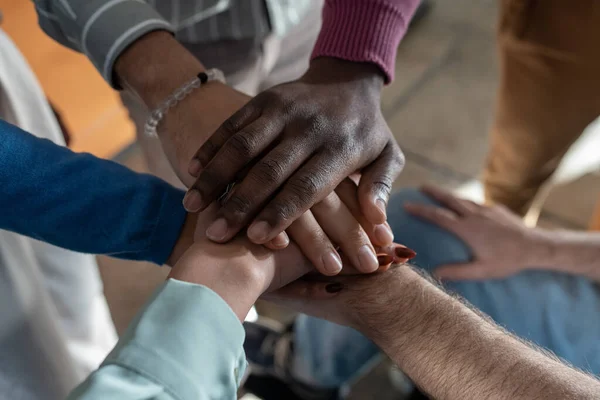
(549, 92)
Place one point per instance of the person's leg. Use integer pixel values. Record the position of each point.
(556, 311)
(549, 92)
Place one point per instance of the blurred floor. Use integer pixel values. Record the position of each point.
(91, 109)
(439, 108)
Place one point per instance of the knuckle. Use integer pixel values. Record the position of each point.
(207, 150)
(231, 125)
(318, 237)
(270, 171)
(242, 145)
(237, 207)
(209, 178)
(281, 212)
(356, 237)
(316, 123)
(399, 159)
(345, 151)
(272, 97)
(305, 187)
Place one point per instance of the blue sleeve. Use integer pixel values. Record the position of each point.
(185, 344)
(84, 203)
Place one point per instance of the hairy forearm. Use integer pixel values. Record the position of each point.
(570, 251)
(454, 353)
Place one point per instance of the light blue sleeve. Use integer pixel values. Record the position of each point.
(185, 344)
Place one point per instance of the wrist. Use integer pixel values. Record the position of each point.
(154, 66)
(401, 286)
(233, 278)
(325, 70)
(185, 239)
(542, 250)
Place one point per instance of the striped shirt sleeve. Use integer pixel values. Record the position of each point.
(101, 29)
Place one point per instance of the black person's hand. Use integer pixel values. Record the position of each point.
(297, 142)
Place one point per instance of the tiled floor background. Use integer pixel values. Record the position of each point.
(439, 107)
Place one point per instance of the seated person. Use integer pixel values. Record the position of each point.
(539, 284)
(187, 342)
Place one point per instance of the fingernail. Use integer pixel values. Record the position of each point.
(383, 234)
(259, 231)
(281, 240)
(367, 259)
(384, 259)
(217, 231)
(334, 287)
(192, 201)
(332, 263)
(404, 252)
(195, 167)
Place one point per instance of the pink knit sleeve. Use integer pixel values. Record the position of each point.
(364, 31)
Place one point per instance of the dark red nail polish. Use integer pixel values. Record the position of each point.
(384, 259)
(334, 287)
(405, 252)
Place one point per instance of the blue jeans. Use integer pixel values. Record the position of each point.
(557, 311)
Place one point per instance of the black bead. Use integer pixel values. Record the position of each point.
(203, 77)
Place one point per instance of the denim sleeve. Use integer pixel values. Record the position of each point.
(185, 344)
(84, 203)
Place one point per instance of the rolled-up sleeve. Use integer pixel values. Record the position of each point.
(101, 29)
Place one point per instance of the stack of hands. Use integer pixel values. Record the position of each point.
(290, 151)
(241, 271)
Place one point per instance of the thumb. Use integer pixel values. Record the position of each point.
(376, 183)
(463, 272)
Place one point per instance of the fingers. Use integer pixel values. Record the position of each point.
(306, 187)
(314, 243)
(259, 184)
(376, 183)
(343, 229)
(233, 156)
(381, 234)
(462, 272)
(436, 215)
(281, 241)
(448, 200)
(231, 126)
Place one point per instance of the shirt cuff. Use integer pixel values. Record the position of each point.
(170, 220)
(108, 28)
(364, 31)
(188, 340)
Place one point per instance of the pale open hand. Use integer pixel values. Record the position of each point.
(502, 245)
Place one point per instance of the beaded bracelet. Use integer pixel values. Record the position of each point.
(157, 115)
